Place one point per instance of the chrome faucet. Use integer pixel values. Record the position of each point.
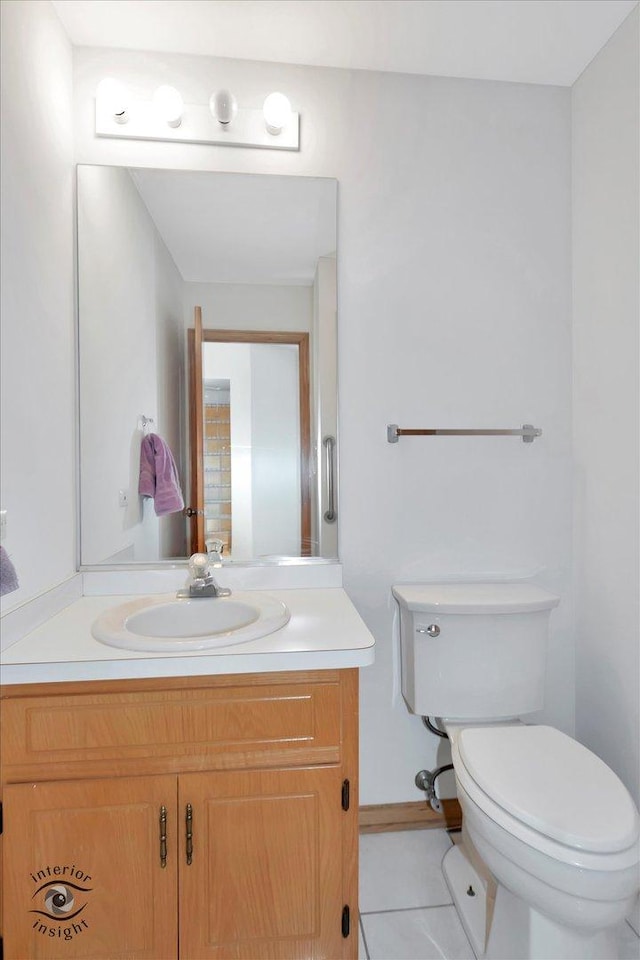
(201, 583)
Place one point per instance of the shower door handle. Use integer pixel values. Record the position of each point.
(329, 444)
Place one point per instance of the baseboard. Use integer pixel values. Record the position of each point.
(378, 818)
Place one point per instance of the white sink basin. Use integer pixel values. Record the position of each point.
(166, 624)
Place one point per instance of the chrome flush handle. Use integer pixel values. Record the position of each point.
(433, 630)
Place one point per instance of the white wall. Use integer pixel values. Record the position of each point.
(171, 377)
(246, 306)
(37, 375)
(454, 310)
(117, 362)
(606, 281)
(130, 302)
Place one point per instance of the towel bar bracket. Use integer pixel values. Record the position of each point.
(528, 433)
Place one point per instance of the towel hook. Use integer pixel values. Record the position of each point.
(145, 421)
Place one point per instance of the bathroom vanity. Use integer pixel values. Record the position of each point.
(150, 812)
(165, 801)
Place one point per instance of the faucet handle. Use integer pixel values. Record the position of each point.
(199, 566)
(214, 551)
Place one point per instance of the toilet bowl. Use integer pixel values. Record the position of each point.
(547, 819)
(558, 831)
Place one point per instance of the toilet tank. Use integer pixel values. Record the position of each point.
(473, 650)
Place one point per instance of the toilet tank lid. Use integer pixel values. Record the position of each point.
(474, 598)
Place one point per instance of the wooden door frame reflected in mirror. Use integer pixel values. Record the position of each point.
(196, 432)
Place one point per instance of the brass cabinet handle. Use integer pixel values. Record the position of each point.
(163, 836)
(189, 833)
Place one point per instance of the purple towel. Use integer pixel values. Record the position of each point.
(159, 476)
(8, 576)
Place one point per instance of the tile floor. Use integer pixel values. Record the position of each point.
(406, 911)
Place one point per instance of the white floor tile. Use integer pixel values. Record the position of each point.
(399, 870)
(628, 943)
(431, 934)
(362, 950)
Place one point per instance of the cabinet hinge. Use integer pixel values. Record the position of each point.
(346, 921)
(345, 794)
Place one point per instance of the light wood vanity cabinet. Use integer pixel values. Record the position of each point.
(191, 818)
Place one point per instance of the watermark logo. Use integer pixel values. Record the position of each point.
(60, 897)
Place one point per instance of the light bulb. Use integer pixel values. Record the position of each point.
(277, 112)
(223, 106)
(113, 95)
(168, 105)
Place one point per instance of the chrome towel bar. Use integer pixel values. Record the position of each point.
(527, 432)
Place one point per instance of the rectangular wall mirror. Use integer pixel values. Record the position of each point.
(207, 342)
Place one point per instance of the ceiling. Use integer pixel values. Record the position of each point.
(238, 228)
(529, 41)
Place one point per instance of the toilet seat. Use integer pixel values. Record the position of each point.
(553, 784)
(550, 792)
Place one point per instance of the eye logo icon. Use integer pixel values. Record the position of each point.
(60, 900)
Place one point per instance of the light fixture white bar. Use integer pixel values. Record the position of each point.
(197, 126)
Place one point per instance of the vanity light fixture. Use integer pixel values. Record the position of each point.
(223, 106)
(221, 121)
(277, 113)
(113, 99)
(169, 105)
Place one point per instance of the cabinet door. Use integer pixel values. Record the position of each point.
(82, 872)
(265, 881)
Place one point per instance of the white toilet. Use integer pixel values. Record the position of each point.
(551, 823)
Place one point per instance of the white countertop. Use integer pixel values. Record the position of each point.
(325, 632)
